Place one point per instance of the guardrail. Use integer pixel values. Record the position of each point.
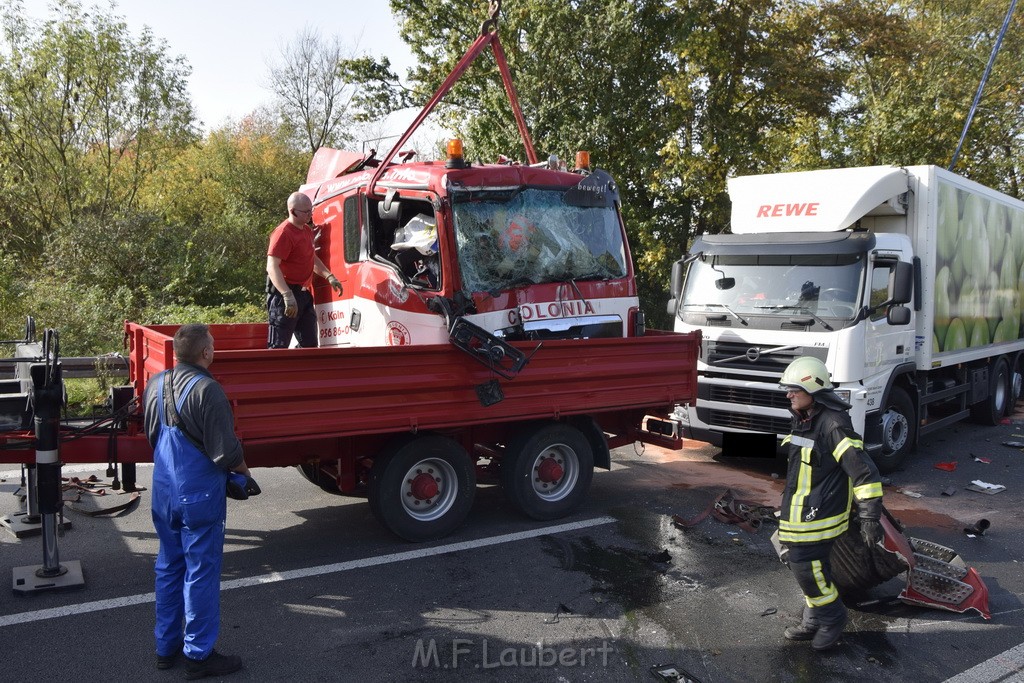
(114, 365)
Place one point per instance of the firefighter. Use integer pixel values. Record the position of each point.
(291, 262)
(827, 469)
(190, 426)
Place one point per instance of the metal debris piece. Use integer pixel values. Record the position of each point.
(984, 487)
(671, 672)
(912, 494)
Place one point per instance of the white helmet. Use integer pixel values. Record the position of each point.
(806, 373)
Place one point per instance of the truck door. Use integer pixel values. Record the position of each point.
(885, 345)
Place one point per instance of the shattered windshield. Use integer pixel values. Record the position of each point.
(531, 236)
(827, 285)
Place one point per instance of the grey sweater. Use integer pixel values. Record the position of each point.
(206, 416)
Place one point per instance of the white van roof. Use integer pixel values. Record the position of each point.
(813, 201)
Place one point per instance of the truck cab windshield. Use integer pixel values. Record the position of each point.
(530, 236)
(768, 287)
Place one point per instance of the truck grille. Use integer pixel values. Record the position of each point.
(754, 423)
(751, 397)
(746, 356)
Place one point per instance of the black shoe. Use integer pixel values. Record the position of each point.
(168, 661)
(806, 629)
(829, 634)
(800, 631)
(214, 665)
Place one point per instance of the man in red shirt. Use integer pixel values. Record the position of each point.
(291, 263)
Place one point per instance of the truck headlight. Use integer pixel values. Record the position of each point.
(844, 394)
(681, 414)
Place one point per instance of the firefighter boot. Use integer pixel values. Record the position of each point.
(806, 629)
(831, 621)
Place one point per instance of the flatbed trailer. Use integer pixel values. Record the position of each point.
(414, 428)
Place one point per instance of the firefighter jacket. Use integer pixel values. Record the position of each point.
(827, 469)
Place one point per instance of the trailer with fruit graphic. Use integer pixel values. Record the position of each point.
(908, 282)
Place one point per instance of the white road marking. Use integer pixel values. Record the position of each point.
(275, 577)
(1005, 667)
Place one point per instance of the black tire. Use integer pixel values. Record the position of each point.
(993, 409)
(546, 471)
(313, 475)
(1016, 386)
(899, 431)
(422, 489)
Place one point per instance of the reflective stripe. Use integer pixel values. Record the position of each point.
(803, 486)
(828, 590)
(845, 445)
(46, 457)
(812, 537)
(867, 491)
(814, 525)
(802, 441)
(786, 439)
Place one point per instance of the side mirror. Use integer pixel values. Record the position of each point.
(898, 315)
(725, 283)
(901, 283)
(677, 278)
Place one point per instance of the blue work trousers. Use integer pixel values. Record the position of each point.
(189, 514)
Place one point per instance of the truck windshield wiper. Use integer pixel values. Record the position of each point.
(731, 312)
(801, 309)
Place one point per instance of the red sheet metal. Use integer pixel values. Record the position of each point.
(334, 392)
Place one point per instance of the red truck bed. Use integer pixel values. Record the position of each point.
(313, 394)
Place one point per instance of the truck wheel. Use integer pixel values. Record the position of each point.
(422, 489)
(899, 431)
(547, 470)
(991, 410)
(312, 474)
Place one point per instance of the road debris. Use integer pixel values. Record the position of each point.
(671, 672)
(979, 528)
(984, 487)
(906, 492)
(1014, 444)
(769, 611)
(949, 491)
(745, 514)
(986, 461)
(945, 466)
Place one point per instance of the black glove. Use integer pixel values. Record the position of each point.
(241, 486)
(871, 532)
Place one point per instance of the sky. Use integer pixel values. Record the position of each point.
(228, 43)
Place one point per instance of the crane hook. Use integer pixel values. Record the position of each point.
(491, 24)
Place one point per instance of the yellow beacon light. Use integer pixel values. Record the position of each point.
(582, 161)
(455, 159)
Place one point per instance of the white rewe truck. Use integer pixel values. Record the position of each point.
(907, 282)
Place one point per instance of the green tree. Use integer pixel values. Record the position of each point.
(87, 111)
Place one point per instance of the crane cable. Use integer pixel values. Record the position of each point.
(981, 86)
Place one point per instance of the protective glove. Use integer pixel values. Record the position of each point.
(871, 532)
(333, 282)
(291, 307)
(241, 486)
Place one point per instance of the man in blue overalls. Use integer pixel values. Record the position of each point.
(189, 423)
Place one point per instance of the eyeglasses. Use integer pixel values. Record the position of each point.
(302, 210)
